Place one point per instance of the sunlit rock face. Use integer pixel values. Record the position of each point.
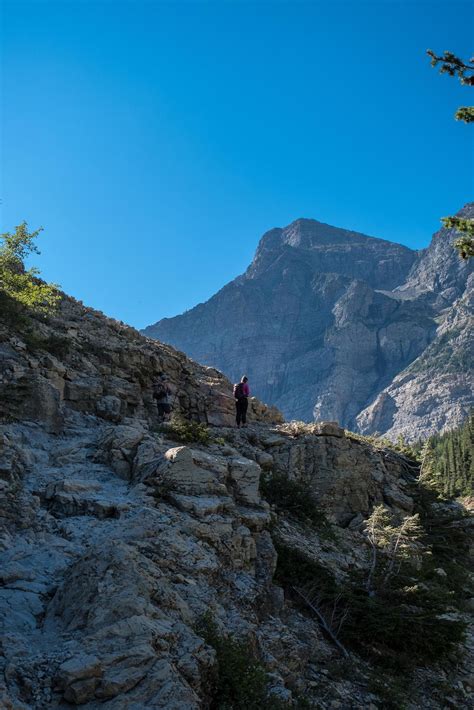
(324, 321)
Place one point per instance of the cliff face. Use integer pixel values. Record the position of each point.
(117, 541)
(435, 392)
(324, 320)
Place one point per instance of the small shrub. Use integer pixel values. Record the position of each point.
(391, 542)
(297, 428)
(292, 497)
(296, 569)
(240, 680)
(56, 345)
(392, 692)
(12, 313)
(19, 284)
(186, 431)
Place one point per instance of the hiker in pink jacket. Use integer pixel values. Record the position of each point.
(241, 394)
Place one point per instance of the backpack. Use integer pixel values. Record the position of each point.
(239, 390)
(159, 391)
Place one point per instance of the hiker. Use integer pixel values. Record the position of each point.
(241, 394)
(162, 394)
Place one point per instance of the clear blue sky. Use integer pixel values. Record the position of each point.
(156, 142)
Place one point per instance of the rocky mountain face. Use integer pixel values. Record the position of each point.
(325, 321)
(435, 392)
(117, 540)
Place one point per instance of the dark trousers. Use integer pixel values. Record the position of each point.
(241, 406)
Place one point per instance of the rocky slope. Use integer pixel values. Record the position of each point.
(325, 320)
(117, 541)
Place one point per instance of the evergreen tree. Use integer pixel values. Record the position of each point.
(448, 461)
(464, 71)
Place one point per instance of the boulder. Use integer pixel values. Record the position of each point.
(327, 429)
(109, 407)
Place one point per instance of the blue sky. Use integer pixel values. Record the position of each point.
(156, 142)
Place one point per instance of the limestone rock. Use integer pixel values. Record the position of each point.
(245, 475)
(109, 407)
(328, 429)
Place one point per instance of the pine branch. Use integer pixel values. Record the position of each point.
(322, 620)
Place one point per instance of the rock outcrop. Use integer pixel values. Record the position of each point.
(85, 362)
(326, 321)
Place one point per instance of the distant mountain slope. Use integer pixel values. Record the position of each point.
(435, 392)
(324, 320)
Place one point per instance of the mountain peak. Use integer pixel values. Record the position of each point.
(333, 249)
(319, 326)
(306, 233)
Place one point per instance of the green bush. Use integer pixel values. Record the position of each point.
(21, 289)
(240, 679)
(56, 345)
(401, 627)
(294, 568)
(186, 431)
(292, 497)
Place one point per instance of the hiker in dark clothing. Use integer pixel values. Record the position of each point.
(241, 394)
(162, 394)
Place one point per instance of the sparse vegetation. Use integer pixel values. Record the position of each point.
(219, 440)
(445, 355)
(396, 541)
(410, 450)
(398, 613)
(186, 431)
(297, 428)
(240, 679)
(446, 533)
(56, 345)
(452, 65)
(392, 691)
(292, 497)
(21, 291)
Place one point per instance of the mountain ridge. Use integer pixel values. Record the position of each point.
(324, 319)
